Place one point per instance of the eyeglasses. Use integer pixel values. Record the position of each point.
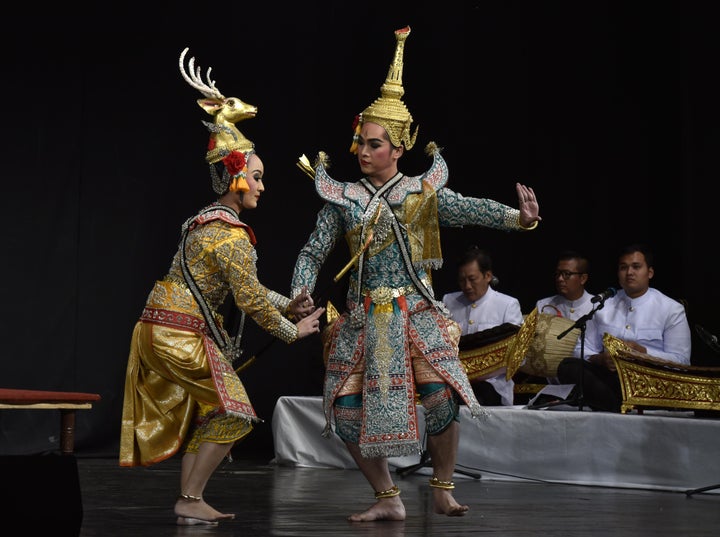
(566, 274)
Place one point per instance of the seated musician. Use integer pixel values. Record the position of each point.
(643, 317)
(572, 300)
(477, 307)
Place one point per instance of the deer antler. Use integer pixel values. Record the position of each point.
(226, 111)
(195, 78)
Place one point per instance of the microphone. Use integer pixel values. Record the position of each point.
(602, 297)
(709, 339)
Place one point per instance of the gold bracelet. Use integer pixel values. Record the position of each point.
(389, 493)
(528, 228)
(445, 485)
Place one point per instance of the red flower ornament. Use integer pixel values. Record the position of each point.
(235, 163)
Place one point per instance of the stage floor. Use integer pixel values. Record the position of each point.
(521, 488)
(273, 500)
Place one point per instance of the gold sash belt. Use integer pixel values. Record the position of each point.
(385, 295)
(174, 319)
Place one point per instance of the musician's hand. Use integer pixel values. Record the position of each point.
(635, 346)
(310, 324)
(302, 305)
(603, 359)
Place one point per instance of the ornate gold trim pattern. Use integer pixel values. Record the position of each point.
(545, 351)
(483, 360)
(508, 352)
(649, 382)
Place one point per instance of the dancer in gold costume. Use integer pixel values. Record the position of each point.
(181, 389)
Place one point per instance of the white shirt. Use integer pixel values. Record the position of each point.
(654, 320)
(490, 310)
(570, 309)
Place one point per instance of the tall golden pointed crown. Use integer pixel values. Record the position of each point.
(388, 110)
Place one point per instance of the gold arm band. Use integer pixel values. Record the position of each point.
(389, 493)
(445, 485)
(528, 228)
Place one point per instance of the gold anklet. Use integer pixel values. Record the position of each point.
(445, 485)
(190, 498)
(389, 493)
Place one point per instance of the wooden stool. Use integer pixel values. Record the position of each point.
(66, 402)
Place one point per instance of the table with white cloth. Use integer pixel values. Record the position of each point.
(662, 450)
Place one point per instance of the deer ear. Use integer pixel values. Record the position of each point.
(211, 106)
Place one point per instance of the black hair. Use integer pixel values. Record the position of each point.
(583, 262)
(644, 249)
(474, 253)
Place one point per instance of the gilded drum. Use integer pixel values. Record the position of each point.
(546, 350)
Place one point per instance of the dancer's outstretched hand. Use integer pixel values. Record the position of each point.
(528, 205)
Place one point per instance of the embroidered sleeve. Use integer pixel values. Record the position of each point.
(328, 229)
(456, 210)
(236, 257)
(279, 301)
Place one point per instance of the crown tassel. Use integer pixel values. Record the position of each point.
(239, 184)
(356, 134)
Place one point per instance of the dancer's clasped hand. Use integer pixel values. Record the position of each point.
(302, 305)
(310, 324)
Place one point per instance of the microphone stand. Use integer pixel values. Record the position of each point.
(426, 462)
(581, 323)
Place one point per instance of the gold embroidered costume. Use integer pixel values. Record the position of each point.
(175, 365)
(181, 387)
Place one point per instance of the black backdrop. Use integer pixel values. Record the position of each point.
(608, 111)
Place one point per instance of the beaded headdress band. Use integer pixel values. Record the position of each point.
(227, 144)
(388, 110)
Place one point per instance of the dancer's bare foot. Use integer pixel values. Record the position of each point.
(383, 509)
(193, 511)
(445, 504)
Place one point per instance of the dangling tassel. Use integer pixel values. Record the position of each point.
(239, 184)
(431, 149)
(357, 126)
